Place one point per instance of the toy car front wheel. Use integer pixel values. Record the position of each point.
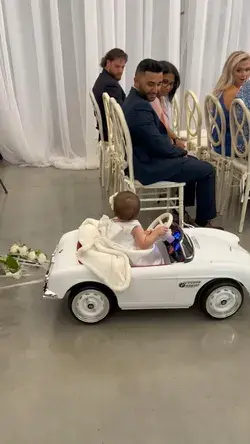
(222, 300)
(90, 304)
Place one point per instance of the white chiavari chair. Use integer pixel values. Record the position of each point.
(110, 162)
(176, 117)
(171, 193)
(216, 129)
(239, 174)
(195, 135)
(101, 144)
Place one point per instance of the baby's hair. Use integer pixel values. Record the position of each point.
(126, 205)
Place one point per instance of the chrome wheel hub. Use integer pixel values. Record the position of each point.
(90, 306)
(224, 302)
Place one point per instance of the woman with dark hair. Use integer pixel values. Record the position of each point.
(171, 79)
(162, 104)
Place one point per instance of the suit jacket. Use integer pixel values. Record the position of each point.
(155, 158)
(107, 83)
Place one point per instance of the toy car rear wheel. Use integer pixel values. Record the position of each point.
(90, 304)
(222, 300)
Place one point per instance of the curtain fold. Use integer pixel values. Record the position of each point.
(50, 52)
(210, 31)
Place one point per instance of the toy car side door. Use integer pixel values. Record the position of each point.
(151, 287)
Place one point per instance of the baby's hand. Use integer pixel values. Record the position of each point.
(161, 230)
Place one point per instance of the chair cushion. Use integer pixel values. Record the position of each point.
(160, 185)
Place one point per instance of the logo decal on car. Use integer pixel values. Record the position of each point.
(189, 284)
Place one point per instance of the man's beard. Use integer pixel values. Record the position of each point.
(116, 76)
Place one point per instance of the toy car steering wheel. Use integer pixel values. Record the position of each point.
(159, 221)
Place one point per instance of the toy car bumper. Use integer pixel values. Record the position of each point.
(47, 293)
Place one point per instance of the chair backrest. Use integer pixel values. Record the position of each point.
(106, 103)
(97, 114)
(240, 129)
(122, 139)
(193, 116)
(215, 123)
(175, 117)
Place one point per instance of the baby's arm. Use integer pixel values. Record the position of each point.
(145, 239)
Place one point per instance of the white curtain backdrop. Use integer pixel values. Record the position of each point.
(49, 59)
(210, 31)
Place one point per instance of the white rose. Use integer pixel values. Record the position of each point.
(23, 251)
(18, 274)
(42, 258)
(32, 255)
(8, 274)
(14, 249)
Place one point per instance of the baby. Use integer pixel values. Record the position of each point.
(126, 206)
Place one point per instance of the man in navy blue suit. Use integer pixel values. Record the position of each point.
(113, 64)
(154, 155)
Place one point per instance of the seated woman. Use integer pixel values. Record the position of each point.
(244, 95)
(162, 104)
(235, 72)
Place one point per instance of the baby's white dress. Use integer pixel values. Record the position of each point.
(126, 239)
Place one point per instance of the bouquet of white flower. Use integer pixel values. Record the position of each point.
(9, 266)
(20, 255)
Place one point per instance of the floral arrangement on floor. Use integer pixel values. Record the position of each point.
(19, 257)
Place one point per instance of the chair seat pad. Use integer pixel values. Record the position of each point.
(160, 185)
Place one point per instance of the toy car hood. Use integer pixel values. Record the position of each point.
(217, 246)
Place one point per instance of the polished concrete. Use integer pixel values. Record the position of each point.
(138, 378)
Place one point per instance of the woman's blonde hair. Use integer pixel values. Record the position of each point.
(226, 79)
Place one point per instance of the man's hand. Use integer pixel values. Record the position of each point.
(180, 143)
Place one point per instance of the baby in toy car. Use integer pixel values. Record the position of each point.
(126, 207)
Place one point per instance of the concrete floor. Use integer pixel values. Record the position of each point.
(140, 377)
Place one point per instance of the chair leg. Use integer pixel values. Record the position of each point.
(244, 207)
(220, 186)
(228, 189)
(217, 183)
(181, 206)
(4, 187)
(102, 167)
(115, 182)
(108, 174)
(168, 198)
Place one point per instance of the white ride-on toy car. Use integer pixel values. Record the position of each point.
(202, 265)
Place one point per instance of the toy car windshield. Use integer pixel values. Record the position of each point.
(181, 249)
